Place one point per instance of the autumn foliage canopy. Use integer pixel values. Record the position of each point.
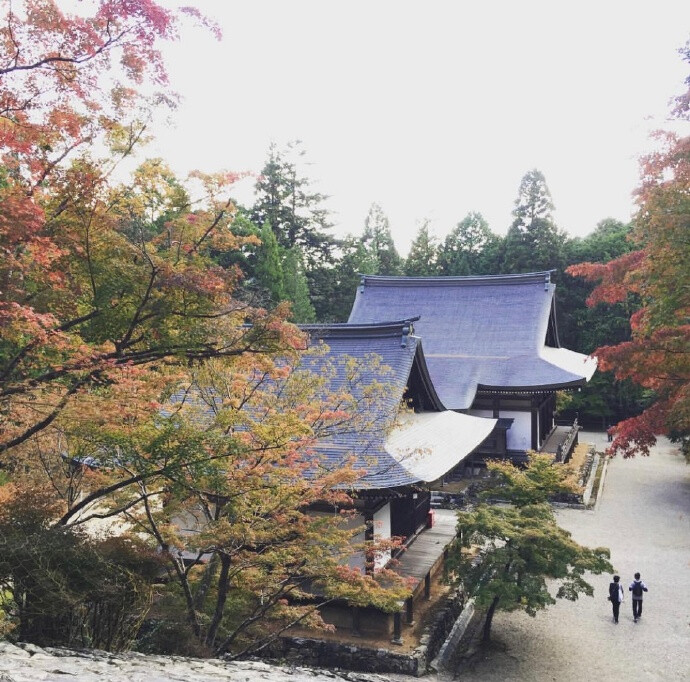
(113, 298)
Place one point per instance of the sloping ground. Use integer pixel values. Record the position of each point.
(556, 437)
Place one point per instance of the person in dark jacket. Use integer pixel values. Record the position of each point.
(616, 596)
(638, 588)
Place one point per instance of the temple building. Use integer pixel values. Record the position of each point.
(407, 442)
(408, 439)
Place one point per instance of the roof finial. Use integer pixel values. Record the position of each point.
(405, 333)
(407, 329)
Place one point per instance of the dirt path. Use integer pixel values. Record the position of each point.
(643, 516)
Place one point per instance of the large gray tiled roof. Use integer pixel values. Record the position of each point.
(387, 448)
(488, 332)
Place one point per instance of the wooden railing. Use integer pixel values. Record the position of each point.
(566, 447)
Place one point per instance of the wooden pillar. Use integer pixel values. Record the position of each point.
(427, 585)
(397, 628)
(355, 622)
(369, 558)
(535, 438)
(409, 610)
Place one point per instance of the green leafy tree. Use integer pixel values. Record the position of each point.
(508, 552)
(421, 261)
(66, 587)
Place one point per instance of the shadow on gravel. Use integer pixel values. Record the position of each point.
(495, 651)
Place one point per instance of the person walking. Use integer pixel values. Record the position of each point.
(638, 588)
(616, 596)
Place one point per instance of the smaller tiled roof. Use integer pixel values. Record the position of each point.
(422, 447)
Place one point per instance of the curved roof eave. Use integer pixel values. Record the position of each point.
(429, 444)
(420, 362)
(538, 388)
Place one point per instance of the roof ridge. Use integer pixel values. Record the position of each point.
(401, 328)
(543, 277)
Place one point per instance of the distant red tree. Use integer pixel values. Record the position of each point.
(658, 354)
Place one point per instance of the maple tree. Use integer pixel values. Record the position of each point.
(99, 282)
(519, 546)
(113, 296)
(261, 559)
(223, 482)
(657, 356)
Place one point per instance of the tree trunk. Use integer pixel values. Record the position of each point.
(206, 581)
(223, 587)
(489, 619)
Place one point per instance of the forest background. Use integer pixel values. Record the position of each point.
(299, 260)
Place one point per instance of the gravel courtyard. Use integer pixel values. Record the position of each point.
(643, 516)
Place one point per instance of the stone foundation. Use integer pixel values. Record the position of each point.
(333, 654)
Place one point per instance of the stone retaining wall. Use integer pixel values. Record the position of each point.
(333, 654)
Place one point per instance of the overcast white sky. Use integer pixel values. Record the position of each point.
(431, 108)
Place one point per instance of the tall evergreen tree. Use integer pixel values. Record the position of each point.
(467, 249)
(421, 261)
(296, 287)
(297, 214)
(377, 238)
(269, 269)
(533, 241)
(336, 285)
